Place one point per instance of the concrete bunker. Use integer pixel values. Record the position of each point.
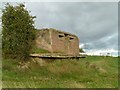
(57, 42)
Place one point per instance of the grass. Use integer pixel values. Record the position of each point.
(38, 50)
(90, 72)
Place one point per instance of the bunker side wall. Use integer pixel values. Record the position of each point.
(73, 47)
(43, 40)
(64, 43)
(58, 43)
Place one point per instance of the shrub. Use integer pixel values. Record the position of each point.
(18, 32)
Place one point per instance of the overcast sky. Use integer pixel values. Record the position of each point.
(95, 23)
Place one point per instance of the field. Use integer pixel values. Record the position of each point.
(89, 72)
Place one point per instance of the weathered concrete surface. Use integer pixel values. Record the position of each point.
(55, 56)
(56, 41)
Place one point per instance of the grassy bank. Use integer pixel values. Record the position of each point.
(90, 72)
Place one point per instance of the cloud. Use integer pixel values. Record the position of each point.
(61, 1)
(95, 23)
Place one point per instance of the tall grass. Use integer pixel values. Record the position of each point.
(90, 72)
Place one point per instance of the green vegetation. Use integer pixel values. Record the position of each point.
(90, 72)
(38, 50)
(18, 32)
(81, 50)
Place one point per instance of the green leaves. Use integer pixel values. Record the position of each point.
(81, 50)
(18, 32)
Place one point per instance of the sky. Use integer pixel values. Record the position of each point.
(95, 23)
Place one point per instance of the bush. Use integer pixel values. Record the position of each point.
(18, 32)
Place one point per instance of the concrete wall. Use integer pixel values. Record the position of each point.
(43, 40)
(58, 42)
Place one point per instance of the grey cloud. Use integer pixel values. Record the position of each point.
(94, 23)
(109, 42)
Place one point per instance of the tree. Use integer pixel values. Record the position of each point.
(18, 32)
(81, 50)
